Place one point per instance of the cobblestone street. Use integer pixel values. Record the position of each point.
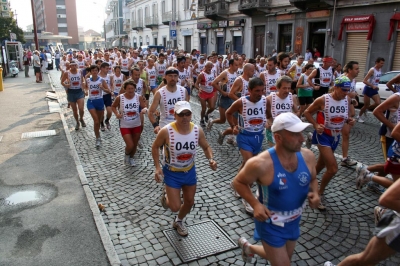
(135, 219)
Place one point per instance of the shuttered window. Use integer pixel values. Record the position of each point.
(357, 50)
(396, 59)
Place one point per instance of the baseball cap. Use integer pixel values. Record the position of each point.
(289, 122)
(182, 105)
(343, 82)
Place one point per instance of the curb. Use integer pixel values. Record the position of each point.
(101, 227)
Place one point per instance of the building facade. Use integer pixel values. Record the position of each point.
(5, 8)
(58, 17)
(116, 35)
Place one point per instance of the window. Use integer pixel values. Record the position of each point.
(187, 4)
(63, 33)
(62, 29)
(146, 12)
(62, 25)
(154, 9)
(60, 6)
(162, 7)
(61, 16)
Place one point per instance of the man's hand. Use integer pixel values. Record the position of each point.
(213, 165)
(313, 199)
(351, 121)
(157, 129)
(235, 130)
(159, 176)
(261, 213)
(119, 116)
(320, 128)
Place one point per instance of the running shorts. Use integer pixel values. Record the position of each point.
(130, 131)
(325, 140)
(205, 95)
(97, 104)
(74, 95)
(368, 91)
(389, 228)
(107, 100)
(277, 236)
(250, 141)
(179, 179)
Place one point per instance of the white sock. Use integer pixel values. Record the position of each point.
(177, 219)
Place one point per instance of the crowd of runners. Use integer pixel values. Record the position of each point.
(255, 98)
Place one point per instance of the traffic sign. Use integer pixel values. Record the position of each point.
(13, 36)
(172, 34)
(172, 25)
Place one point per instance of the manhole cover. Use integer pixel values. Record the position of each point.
(37, 134)
(204, 239)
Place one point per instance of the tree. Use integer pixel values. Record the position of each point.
(8, 25)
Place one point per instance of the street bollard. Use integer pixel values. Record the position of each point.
(1, 78)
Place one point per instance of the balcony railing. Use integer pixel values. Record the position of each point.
(151, 22)
(252, 7)
(137, 24)
(215, 10)
(168, 16)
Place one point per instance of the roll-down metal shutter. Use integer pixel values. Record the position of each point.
(396, 59)
(357, 50)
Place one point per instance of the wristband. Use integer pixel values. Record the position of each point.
(155, 124)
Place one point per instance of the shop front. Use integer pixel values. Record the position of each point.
(395, 32)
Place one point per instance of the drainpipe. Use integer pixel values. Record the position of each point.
(333, 21)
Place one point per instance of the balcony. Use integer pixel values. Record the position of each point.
(137, 25)
(216, 10)
(127, 25)
(310, 5)
(254, 7)
(168, 16)
(151, 22)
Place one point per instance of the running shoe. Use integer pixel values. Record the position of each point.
(83, 123)
(221, 138)
(328, 263)
(359, 119)
(309, 140)
(77, 126)
(248, 208)
(244, 244)
(140, 145)
(363, 176)
(132, 162)
(231, 140)
(321, 205)
(374, 187)
(348, 162)
(234, 191)
(378, 212)
(206, 118)
(108, 125)
(209, 124)
(98, 143)
(163, 199)
(126, 159)
(180, 228)
(102, 128)
(202, 124)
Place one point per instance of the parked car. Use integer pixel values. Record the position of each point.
(49, 61)
(384, 92)
(316, 63)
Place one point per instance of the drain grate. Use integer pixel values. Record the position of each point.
(38, 134)
(204, 239)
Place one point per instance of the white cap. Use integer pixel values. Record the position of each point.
(289, 122)
(182, 105)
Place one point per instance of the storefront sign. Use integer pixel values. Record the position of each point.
(367, 21)
(318, 14)
(233, 29)
(231, 23)
(220, 34)
(203, 25)
(202, 31)
(285, 17)
(395, 18)
(186, 32)
(219, 30)
(298, 43)
(223, 24)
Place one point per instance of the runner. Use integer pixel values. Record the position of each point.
(371, 88)
(166, 97)
(73, 82)
(304, 90)
(249, 126)
(125, 63)
(151, 74)
(118, 80)
(321, 78)
(106, 96)
(270, 76)
(161, 66)
(283, 63)
(295, 71)
(279, 102)
(126, 108)
(183, 74)
(180, 140)
(332, 113)
(227, 78)
(206, 89)
(95, 86)
(286, 177)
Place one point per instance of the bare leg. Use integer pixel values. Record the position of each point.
(331, 166)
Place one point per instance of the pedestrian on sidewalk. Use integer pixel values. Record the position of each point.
(180, 140)
(25, 60)
(36, 66)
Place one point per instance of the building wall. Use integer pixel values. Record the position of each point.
(72, 22)
(51, 16)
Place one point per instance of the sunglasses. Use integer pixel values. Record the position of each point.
(184, 114)
(345, 90)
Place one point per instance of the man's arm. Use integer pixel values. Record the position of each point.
(207, 149)
(200, 78)
(310, 78)
(313, 196)
(235, 107)
(391, 102)
(396, 132)
(366, 79)
(394, 80)
(221, 78)
(155, 152)
(255, 170)
(391, 197)
(316, 106)
(236, 87)
(64, 79)
(152, 112)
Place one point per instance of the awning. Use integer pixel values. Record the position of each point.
(115, 43)
(358, 19)
(393, 19)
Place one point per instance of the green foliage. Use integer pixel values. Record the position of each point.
(7, 25)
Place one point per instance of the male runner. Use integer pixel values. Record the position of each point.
(270, 76)
(204, 85)
(321, 78)
(107, 97)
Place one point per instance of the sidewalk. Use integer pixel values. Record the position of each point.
(45, 217)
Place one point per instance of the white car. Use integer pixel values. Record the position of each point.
(384, 92)
(316, 63)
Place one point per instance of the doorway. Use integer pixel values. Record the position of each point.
(259, 41)
(317, 36)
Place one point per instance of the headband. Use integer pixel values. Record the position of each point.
(327, 59)
(171, 71)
